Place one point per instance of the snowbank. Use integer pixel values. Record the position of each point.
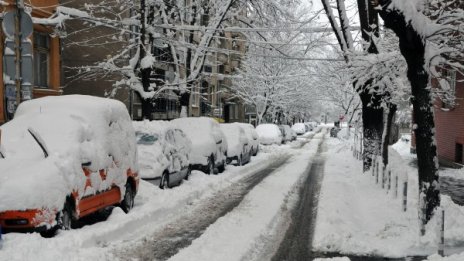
(356, 216)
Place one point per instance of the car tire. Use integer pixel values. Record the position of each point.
(64, 221)
(164, 182)
(210, 167)
(222, 168)
(189, 171)
(65, 218)
(255, 152)
(128, 202)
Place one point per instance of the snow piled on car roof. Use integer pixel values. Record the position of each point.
(269, 134)
(75, 129)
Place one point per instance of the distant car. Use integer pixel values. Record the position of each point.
(334, 131)
(309, 126)
(313, 124)
(269, 134)
(238, 146)
(253, 137)
(64, 158)
(209, 145)
(299, 128)
(163, 151)
(287, 133)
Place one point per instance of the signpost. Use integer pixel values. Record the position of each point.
(17, 58)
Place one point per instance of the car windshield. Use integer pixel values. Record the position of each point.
(146, 139)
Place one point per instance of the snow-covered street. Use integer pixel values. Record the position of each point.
(239, 212)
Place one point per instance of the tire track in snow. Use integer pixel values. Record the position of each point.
(181, 232)
(296, 244)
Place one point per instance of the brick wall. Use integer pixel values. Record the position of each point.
(449, 124)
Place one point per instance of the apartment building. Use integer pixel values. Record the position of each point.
(46, 54)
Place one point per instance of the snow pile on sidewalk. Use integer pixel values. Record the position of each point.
(357, 217)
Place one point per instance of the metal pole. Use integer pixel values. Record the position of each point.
(405, 196)
(383, 176)
(396, 186)
(389, 179)
(17, 38)
(441, 246)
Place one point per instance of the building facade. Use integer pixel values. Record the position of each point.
(46, 54)
(449, 122)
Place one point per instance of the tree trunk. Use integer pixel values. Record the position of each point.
(372, 116)
(412, 48)
(371, 102)
(147, 104)
(386, 137)
(144, 73)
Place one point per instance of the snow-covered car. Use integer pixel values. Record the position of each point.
(63, 158)
(292, 133)
(299, 128)
(308, 126)
(209, 145)
(287, 133)
(163, 151)
(269, 134)
(238, 146)
(253, 137)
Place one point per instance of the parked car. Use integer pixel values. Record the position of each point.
(64, 158)
(313, 124)
(293, 134)
(238, 146)
(269, 134)
(308, 126)
(299, 128)
(163, 151)
(253, 137)
(209, 145)
(286, 133)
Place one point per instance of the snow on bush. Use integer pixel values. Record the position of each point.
(75, 129)
(269, 134)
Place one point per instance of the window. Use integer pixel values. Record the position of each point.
(207, 68)
(41, 52)
(221, 68)
(195, 96)
(450, 77)
(204, 20)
